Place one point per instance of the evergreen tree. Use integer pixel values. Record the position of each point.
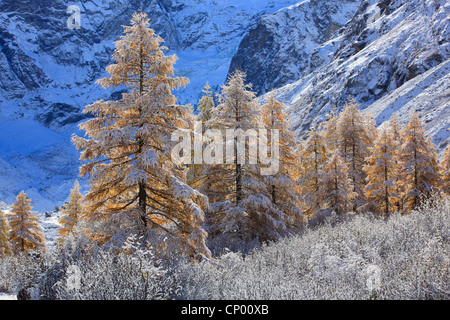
(5, 247)
(356, 137)
(418, 164)
(381, 170)
(135, 184)
(281, 184)
(72, 212)
(241, 204)
(313, 158)
(26, 235)
(445, 164)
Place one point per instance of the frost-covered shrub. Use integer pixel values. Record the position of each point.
(22, 272)
(405, 257)
(131, 274)
(359, 257)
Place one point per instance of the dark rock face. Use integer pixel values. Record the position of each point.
(259, 42)
(391, 56)
(278, 49)
(60, 114)
(31, 29)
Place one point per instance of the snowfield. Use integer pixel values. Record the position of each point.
(5, 296)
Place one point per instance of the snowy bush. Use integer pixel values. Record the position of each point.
(358, 257)
(21, 272)
(405, 257)
(131, 274)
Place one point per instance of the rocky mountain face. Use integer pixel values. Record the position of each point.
(279, 48)
(40, 56)
(48, 74)
(392, 56)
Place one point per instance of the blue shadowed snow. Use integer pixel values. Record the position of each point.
(25, 136)
(37, 160)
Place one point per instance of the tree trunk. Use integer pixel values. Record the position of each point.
(142, 193)
(238, 168)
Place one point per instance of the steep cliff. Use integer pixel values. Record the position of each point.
(280, 48)
(390, 56)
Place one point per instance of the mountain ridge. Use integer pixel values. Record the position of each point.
(378, 53)
(389, 55)
(49, 73)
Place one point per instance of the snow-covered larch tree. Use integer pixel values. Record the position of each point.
(336, 193)
(282, 184)
(396, 133)
(72, 212)
(135, 184)
(445, 165)
(242, 209)
(419, 164)
(205, 107)
(5, 246)
(355, 134)
(26, 235)
(330, 132)
(313, 158)
(381, 170)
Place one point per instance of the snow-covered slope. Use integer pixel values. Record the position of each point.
(48, 73)
(429, 94)
(279, 48)
(391, 56)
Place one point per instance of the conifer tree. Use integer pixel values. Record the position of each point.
(336, 193)
(72, 212)
(134, 183)
(371, 129)
(355, 141)
(26, 235)
(206, 107)
(237, 110)
(381, 170)
(241, 205)
(313, 158)
(418, 164)
(330, 132)
(5, 247)
(396, 133)
(445, 165)
(282, 184)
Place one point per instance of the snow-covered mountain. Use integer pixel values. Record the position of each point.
(279, 48)
(392, 56)
(48, 74)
